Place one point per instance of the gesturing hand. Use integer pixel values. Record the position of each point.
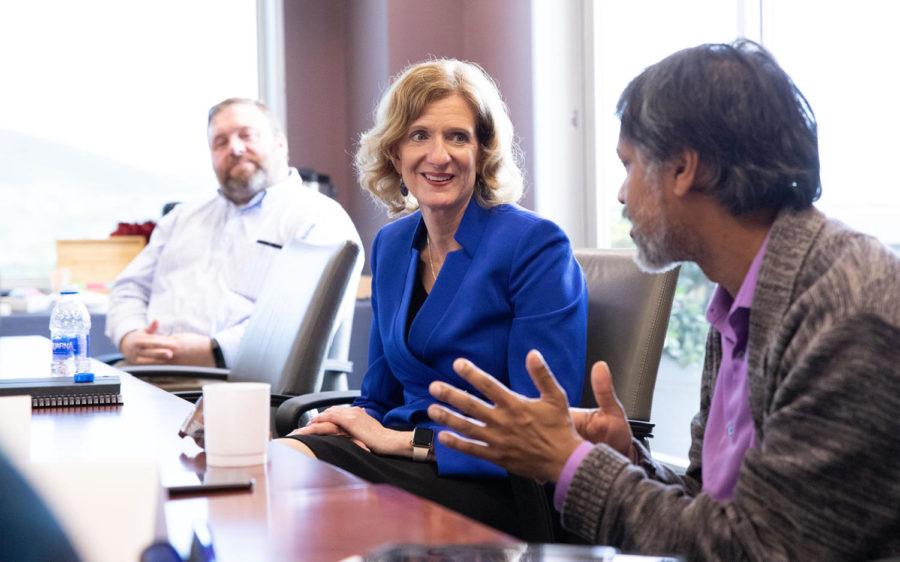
(607, 423)
(532, 437)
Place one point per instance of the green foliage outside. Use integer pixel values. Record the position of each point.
(686, 336)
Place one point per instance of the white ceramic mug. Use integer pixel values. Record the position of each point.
(236, 423)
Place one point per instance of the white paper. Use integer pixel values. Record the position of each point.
(15, 428)
(109, 509)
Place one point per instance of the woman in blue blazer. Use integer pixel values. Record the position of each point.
(467, 274)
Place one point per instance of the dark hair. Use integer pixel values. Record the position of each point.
(754, 132)
(214, 110)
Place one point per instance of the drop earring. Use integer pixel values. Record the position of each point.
(403, 190)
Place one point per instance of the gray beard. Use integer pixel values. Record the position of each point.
(654, 255)
(240, 191)
(655, 251)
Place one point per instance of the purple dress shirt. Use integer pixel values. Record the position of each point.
(568, 472)
(729, 426)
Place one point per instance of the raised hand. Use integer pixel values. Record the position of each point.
(607, 423)
(532, 437)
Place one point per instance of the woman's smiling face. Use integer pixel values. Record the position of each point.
(438, 156)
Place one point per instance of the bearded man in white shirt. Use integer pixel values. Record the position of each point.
(184, 299)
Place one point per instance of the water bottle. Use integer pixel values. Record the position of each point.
(70, 331)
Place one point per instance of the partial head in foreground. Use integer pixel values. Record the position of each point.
(431, 90)
(751, 132)
(249, 150)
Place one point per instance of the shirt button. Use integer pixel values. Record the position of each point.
(730, 429)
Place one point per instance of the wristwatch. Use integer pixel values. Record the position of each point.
(422, 443)
(218, 356)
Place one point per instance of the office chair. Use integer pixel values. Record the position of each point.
(628, 313)
(291, 328)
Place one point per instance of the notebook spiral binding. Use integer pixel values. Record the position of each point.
(56, 392)
(82, 400)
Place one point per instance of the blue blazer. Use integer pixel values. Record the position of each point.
(514, 286)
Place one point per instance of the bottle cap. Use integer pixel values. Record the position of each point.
(84, 377)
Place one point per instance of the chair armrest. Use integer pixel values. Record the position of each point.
(337, 366)
(277, 400)
(150, 371)
(287, 417)
(642, 431)
(110, 358)
(194, 395)
(190, 395)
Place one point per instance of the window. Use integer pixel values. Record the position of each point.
(628, 37)
(845, 66)
(105, 120)
(850, 85)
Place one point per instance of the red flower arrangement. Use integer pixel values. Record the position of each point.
(144, 229)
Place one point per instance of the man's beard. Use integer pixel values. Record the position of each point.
(242, 190)
(656, 242)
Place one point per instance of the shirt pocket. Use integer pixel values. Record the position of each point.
(252, 267)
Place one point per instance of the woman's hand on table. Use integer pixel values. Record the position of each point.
(366, 431)
(326, 428)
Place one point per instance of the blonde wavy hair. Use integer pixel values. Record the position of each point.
(499, 178)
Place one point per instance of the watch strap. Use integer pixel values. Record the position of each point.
(421, 450)
(218, 356)
(421, 453)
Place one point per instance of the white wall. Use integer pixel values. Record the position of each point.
(559, 118)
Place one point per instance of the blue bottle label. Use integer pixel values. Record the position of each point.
(62, 347)
(77, 345)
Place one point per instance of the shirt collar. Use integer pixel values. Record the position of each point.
(468, 233)
(292, 177)
(723, 305)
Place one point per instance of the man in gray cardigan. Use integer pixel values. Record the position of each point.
(795, 451)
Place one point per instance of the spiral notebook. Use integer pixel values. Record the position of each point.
(55, 392)
(502, 553)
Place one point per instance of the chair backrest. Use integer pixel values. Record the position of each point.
(295, 317)
(339, 350)
(628, 313)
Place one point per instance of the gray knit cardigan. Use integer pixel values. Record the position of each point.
(823, 482)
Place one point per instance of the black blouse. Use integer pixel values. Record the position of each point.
(417, 299)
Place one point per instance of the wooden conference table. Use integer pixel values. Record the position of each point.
(299, 509)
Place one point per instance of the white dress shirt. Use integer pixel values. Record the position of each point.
(203, 265)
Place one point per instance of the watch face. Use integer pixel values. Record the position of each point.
(423, 437)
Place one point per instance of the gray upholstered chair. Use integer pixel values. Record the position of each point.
(628, 314)
(294, 324)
